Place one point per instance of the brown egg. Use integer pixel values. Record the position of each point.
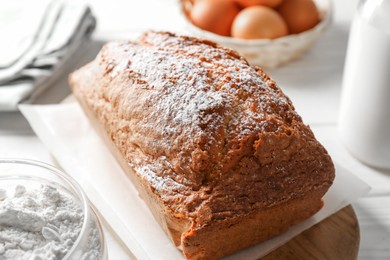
(269, 3)
(300, 15)
(214, 15)
(258, 22)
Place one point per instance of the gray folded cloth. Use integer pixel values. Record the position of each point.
(38, 38)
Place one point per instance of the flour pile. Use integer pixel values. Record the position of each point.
(42, 223)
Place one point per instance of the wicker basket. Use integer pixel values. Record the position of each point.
(267, 52)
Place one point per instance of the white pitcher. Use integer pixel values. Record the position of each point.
(364, 123)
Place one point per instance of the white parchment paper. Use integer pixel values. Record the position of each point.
(68, 135)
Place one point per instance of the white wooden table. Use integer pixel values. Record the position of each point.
(312, 82)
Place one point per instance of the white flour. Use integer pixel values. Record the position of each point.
(42, 223)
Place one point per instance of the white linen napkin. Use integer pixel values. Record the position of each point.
(37, 38)
(68, 135)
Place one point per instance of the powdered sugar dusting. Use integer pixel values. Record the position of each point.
(195, 100)
(202, 78)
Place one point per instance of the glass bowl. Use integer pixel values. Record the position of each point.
(30, 174)
(267, 52)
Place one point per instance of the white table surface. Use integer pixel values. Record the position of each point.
(312, 82)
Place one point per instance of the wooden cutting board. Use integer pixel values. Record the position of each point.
(336, 237)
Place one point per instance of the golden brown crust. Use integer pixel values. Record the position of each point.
(209, 138)
(172, 224)
(226, 237)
